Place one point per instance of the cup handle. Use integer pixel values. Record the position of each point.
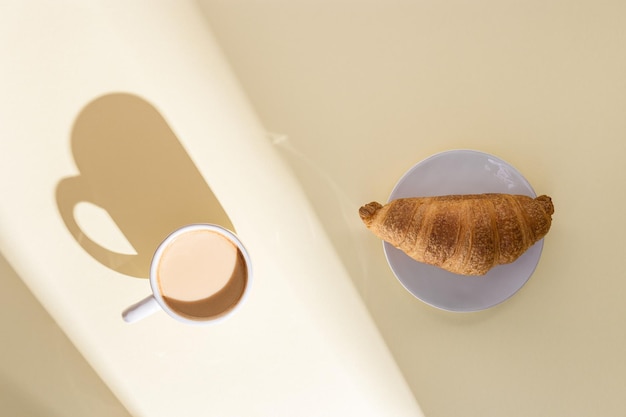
(140, 310)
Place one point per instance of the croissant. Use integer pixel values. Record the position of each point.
(463, 234)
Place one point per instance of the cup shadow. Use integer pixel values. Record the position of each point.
(132, 165)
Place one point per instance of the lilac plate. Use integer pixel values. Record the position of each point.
(461, 172)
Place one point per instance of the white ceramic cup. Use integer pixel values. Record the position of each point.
(156, 301)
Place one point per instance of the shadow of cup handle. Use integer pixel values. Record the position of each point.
(71, 191)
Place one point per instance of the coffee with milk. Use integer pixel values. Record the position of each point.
(201, 275)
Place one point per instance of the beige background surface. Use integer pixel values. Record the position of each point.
(118, 121)
(359, 91)
(42, 374)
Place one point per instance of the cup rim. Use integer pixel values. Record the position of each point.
(157, 257)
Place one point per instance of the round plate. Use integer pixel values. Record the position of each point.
(461, 172)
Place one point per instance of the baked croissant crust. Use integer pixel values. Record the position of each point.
(463, 234)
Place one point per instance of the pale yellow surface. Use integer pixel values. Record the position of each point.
(42, 374)
(120, 121)
(358, 92)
